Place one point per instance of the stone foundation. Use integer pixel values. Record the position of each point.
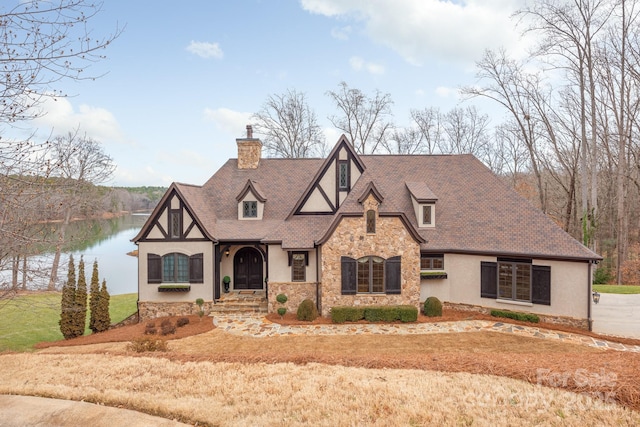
(151, 310)
(556, 320)
(296, 292)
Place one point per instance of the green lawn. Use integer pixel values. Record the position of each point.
(27, 320)
(617, 289)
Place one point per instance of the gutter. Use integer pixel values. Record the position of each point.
(317, 280)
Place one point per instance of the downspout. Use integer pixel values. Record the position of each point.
(318, 305)
(589, 298)
(266, 279)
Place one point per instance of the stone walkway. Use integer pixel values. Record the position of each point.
(259, 327)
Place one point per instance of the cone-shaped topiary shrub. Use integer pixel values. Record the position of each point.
(432, 307)
(307, 310)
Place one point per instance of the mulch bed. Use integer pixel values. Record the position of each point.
(131, 332)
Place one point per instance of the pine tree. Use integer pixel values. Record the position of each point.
(103, 322)
(94, 301)
(68, 302)
(80, 314)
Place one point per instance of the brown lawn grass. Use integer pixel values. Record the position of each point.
(214, 378)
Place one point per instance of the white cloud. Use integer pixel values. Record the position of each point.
(420, 30)
(60, 116)
(233, 122)
(205, 49)
(341, 33)
(358, 64)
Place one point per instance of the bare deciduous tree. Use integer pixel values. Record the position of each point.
(41, 43)
(79, 163)
(289, 126)
(366, 120)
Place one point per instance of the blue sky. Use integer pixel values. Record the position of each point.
(184, 78)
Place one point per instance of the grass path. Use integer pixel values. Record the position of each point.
(617, 289)
(29, 319)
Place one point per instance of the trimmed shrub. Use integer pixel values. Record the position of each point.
(381, 314)
(432, 307)
(307, 311)
(150, 329)
(167, 327)
(183, 321)
(341, 314)
(282, 298)
(524, 317)
(407, 313)
(282, 311)
(142, 345)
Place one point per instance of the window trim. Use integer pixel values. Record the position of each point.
(514, 264)
(431, 258)
(305, 263)
(371, 274)
(175, 223)
(347, 177)
(156, 268)
(248, 209)
(371, 221)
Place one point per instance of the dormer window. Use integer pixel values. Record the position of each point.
(251, 202)
(426, 214)
(249, 209)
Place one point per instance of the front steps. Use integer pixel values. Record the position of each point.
(238, 302)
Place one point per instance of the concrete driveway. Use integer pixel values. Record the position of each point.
(28, 411)
(617, 314)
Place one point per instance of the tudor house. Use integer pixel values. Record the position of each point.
(359, 230)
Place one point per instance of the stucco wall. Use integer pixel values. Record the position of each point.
(351, 239)
(149, 291)
(569, 287)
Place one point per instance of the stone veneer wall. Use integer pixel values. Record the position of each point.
(557, 320)
(350, 238)
(249, 151)
(296, 292)
(153, 310)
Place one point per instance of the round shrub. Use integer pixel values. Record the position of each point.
(282, 311)
(432, 307)
(183, 321)
(307, 311)
(282, 298)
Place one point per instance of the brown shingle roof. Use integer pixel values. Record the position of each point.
(475, 211)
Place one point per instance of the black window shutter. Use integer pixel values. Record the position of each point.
(489, 279)
(392, 275)
(196, 267)
(349, 269)
(154, 268)
(541, 284)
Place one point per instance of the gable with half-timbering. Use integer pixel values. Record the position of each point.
(174, 222)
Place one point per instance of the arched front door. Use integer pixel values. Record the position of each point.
(247, 269)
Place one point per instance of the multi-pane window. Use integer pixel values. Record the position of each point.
(426, 214)
(175, 268)
(431, 261)
(174, 224)
(370, 275)
(514, 281)
(250, 209)
(298, 266)
(343, 175)
(371, 221)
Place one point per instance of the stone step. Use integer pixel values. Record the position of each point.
(240, 307)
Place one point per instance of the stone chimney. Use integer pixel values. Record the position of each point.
(249, 150)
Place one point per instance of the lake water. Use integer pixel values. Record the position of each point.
(107, 241)
(119, 269)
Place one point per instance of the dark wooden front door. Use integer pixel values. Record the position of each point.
(247, 269)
